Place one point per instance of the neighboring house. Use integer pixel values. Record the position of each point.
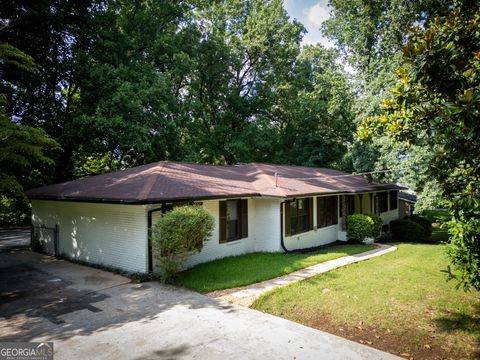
(407, 203)
(105, 219)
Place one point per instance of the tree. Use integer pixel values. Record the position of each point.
(370, 35)
(312, 111)
(22, 148)
(179, 234)
(436, 103)
(248, 47)
(50, 32)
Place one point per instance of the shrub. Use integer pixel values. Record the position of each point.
(360, 226)
(408, 230)
(377, 225)
(177, 235)
(427, 225)
(464, 243)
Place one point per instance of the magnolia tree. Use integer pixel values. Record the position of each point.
(436, 103)
(179, 234)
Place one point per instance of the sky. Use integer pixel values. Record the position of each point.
(311, 13)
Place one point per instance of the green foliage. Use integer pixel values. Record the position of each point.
(436, 104)
(464, 246)
(179, 234)
(424, 222)
(94, 164)
(360, 226)
(370, 35)
(313, 111)
(407, 230)
(22, 148)
(377, 225)
(14, 211)
(136, 82)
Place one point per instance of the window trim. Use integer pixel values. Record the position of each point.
(242, 224)
(331, 218)
(309, 216)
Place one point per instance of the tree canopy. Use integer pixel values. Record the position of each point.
(436, 103)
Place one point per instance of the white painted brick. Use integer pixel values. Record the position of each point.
(108, 234)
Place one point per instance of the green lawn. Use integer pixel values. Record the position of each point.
(399, 302)
(437, 217)
(247, 269)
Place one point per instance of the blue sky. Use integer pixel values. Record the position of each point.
(311, 13)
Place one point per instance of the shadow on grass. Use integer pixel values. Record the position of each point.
(455, 321)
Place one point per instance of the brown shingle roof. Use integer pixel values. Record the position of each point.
(169, 181)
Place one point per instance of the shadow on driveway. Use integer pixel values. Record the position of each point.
(43, 297)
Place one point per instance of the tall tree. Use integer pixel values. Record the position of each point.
(312, 111)
(247, 47)
(436, 103)
(22, 148)
(49, 31)
(370, 35)
(131, 82)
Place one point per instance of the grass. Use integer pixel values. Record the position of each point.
(437, 217)
(399, 302)
(251, 268)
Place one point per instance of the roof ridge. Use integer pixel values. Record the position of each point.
(268, 178)
(150, 183)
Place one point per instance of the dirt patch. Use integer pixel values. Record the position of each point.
(409, 347)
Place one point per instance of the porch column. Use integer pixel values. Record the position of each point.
(360, 198)
(343, 204)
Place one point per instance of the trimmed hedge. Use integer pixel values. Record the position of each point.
(360, 226)
(408, 231)
(427, 225)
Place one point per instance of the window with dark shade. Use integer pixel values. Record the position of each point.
(233, 217)
(382, 202)
(327, 211)
(298, 216)
(393, 200)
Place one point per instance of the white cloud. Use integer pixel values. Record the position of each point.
(288, 4)
(317, 14)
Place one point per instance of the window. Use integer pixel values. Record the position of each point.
(393, 200)
(350, 204)
(327, 211)
(382, 202)
(298, 216)
(233, 220)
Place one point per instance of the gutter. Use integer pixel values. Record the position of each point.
(149, 228)
(282, 243)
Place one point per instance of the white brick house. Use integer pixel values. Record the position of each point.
(105, 219)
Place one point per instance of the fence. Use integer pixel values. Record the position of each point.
(44, 239)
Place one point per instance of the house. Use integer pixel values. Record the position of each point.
(406, 203)
(105, 219)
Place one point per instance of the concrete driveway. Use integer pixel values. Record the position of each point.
(14, 238)
(93, 314)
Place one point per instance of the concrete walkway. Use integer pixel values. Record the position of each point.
(92, 314)
(246, 295)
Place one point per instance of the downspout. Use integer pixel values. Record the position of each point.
(149, 228)
(282, 243)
